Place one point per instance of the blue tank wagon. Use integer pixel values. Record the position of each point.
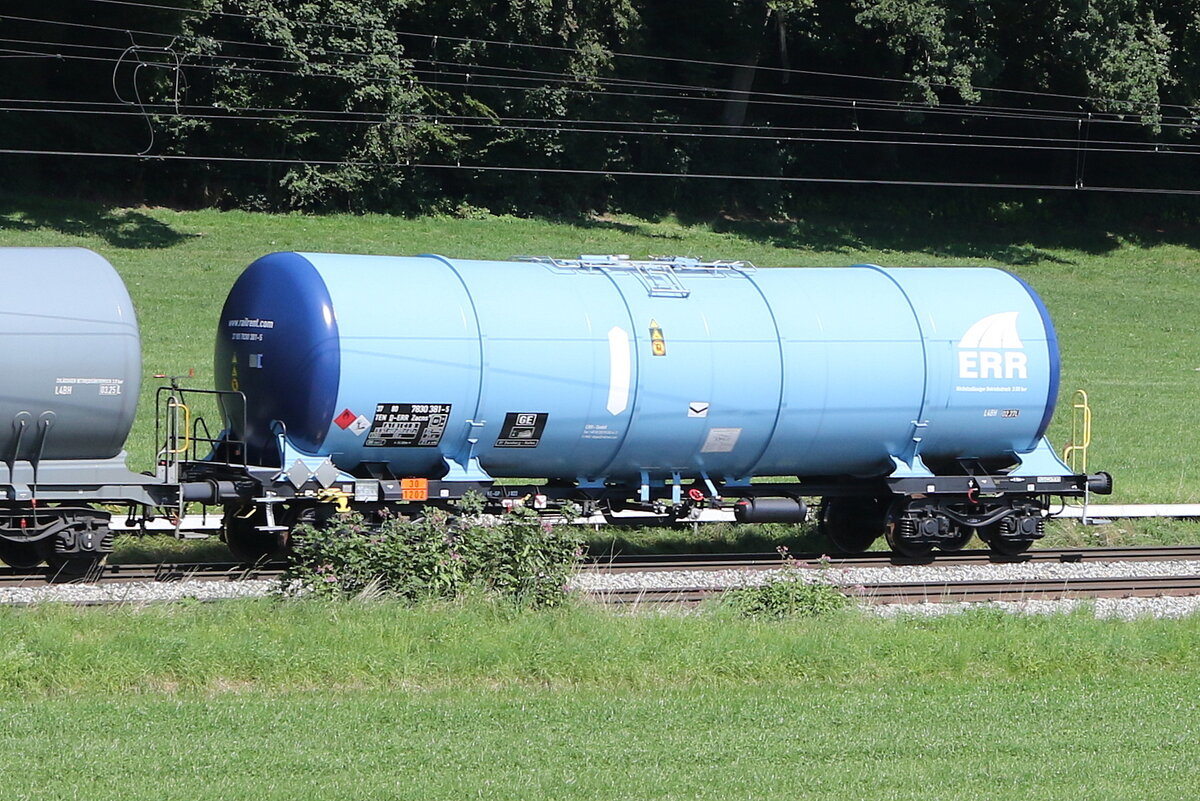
(913, 401)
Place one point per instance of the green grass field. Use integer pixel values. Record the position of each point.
(972, 741)
(367, 700)
(285, 700)
(1122, 302)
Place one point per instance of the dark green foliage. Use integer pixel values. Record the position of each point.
(1117, 52)
(524, 560)
(546, 106)
(322, 93)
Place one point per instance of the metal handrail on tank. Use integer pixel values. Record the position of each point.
(166, 433)
(659, 274)
(195, 432)
(201, 435)
(1075, 454)
(174, 403)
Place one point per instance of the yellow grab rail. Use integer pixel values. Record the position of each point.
(174, 404)
(1081, 433)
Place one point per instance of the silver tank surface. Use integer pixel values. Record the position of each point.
(70, 356)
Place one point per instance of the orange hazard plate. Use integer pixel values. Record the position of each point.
(414, 489)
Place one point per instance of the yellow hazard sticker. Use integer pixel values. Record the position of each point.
(658, 345)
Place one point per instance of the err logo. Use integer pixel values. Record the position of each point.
(991, 348)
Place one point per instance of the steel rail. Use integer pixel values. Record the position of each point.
(943, 591)
(163, 572)
(663, 562)
(767, 561)
(1025, 589)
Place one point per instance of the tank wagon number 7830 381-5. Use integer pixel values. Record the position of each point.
(914, 402)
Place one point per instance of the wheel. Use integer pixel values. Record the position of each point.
(1008, 547)
(63, 568)
(852, 524)
(907, 548)
(910, 534)
(315, 516)
(21, 555)
(245, 541)
(960, 536)
(1004, 546)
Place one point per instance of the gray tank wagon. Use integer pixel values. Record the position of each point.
(70, 357)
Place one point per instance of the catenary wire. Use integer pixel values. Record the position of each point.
(468, 69)
(724, 91)
(613, 173)
(845, 103)
(853, 137)
(295, 114)
(860, 103)
(668, 59)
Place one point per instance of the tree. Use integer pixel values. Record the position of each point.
(316, 96)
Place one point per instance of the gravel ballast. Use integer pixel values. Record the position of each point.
(1124, 608)
(600, 581)
(135, 592)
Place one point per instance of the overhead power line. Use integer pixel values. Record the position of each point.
(462, 75)
(510, 83)
(620, 126)
(417, 165)
(464, 80)
(1189, 110)
(860, 137)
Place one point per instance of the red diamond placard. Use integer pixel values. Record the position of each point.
(345, 419)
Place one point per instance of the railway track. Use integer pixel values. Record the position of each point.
(945, 591)
(887, 590)
(772, 561)
(869, 591)
(233, 571)
(166, 572)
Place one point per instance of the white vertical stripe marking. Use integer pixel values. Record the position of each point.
(620, 370)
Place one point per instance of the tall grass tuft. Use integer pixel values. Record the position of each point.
(791, 592)
(438, 556)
